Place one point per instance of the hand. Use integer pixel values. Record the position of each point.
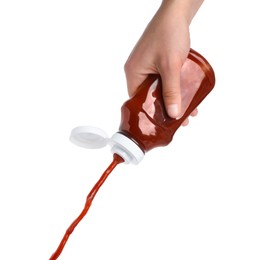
(162, 49)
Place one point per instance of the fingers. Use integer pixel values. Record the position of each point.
(194, 112)
(186, 121)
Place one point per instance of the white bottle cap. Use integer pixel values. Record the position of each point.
(93, 138)
(126, 148)
(89, 137)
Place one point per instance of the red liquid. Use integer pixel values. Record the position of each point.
(144, 118)
(117, 159)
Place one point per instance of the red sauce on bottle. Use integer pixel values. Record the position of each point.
(144, 118)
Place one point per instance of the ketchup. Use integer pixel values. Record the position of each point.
(89, 199)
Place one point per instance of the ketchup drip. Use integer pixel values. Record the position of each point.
(116, 160)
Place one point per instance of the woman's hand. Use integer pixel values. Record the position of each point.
(163, 49)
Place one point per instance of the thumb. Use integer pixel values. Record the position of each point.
(171, 91)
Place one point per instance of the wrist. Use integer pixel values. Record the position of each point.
(182, 9)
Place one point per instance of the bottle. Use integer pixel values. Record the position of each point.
(145, 123)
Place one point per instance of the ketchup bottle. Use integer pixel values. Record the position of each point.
(145, 123)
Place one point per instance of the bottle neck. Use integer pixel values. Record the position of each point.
(126, 148)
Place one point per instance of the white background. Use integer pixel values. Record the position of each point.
(61, 65)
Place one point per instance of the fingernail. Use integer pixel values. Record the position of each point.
(172, 110)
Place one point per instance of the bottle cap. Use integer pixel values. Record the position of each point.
(89, 137)
(126, 148)
(92, 137)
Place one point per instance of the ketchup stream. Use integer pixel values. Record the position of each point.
(116, 160)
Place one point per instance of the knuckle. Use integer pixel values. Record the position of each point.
(129, 66)
(173, 64)
(169, 94)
